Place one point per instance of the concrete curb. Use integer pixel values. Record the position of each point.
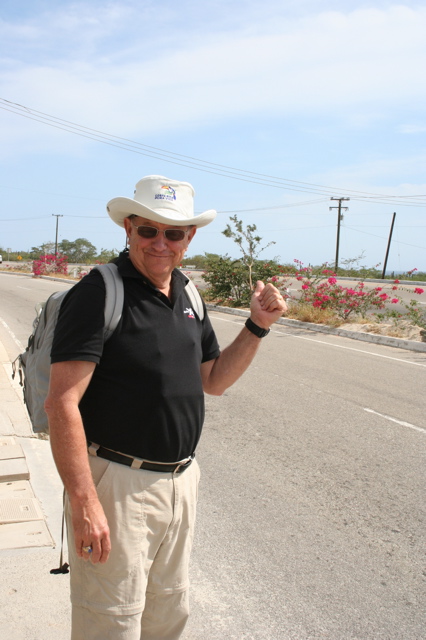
(400, 343)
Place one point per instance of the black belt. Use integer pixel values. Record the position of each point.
(138, 463)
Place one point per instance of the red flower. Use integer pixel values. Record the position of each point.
(419, 291)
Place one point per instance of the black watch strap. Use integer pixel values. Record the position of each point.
(258, 331)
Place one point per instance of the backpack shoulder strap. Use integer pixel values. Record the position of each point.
(195, 299)
(114, 297)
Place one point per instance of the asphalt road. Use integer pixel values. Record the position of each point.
(311, 515)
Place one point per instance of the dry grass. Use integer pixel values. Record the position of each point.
(24, 268)
(308, 313)
(396, 333)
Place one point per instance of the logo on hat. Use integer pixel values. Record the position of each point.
(168, 194)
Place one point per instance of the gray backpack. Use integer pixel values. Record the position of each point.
(33, 365)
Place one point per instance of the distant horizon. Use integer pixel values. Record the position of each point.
(388, 272)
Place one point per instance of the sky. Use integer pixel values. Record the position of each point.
(269, 109)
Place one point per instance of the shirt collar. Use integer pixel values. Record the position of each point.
(128, 270)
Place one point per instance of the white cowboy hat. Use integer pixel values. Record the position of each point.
(162, 200)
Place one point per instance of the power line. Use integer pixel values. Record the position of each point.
(415, 246)
(197, 164)
(279, 206)
(23, 219)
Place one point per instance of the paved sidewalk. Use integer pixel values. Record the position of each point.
(34, 605)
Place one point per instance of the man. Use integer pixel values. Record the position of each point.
(136, 405)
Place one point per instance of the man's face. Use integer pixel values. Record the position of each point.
(156, 257)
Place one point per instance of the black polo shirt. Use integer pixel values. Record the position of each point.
(145, 398)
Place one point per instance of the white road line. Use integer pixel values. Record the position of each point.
(12, 335)
(341, 346)
(401, 422)
(330, 344)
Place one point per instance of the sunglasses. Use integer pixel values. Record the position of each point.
(174, 235)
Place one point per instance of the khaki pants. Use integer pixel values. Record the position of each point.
(141, 592)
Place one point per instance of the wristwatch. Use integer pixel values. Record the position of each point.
(258, 331)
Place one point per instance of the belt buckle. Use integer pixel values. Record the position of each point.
(93, 449)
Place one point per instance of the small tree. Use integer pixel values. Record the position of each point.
(47, 248)
(198, 261)
(231, 281)
(352, 267)
(248, 243)
(227, 280)
(80, 250)
(106, 255)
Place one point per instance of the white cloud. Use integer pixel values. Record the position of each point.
(319, 91)
(350, 62)
(400, 178)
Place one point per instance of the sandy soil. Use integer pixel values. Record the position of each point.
(402, 329)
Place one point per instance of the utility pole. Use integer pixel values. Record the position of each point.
(339, 218)
(56, 215)
(388, 247)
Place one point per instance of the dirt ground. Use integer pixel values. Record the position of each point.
(402, 329)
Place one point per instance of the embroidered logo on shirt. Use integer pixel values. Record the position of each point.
(190, 312)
